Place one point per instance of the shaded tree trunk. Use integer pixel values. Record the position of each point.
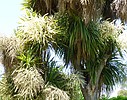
(89, 94)
(91, 90)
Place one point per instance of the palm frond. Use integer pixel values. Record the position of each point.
(81, 42)
(109, 34)
(53, 93)
(120, 9)
(76, 78)
(113, 73)
(108, 29)
(83, 8)
(28, 82)
(10, 45)
(69, 83)
(7, 88)
(36, 29)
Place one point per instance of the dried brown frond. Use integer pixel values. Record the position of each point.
(119, 7)
(87, 9)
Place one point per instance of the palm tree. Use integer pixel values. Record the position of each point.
(84, 45)
(90, 49)
(79, 36)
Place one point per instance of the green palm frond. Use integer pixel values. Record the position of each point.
(55, 77)
(109, 34)
(80, 42)
(28, 59)
(113, 72)
(69, 83)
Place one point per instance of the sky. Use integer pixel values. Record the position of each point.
(10, 11)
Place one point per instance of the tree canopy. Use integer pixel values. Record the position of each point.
(80, 33)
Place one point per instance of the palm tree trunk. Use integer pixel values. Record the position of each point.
(89, 94)
(91, 91)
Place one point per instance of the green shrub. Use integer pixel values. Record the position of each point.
(114, 98)
(118, 98)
